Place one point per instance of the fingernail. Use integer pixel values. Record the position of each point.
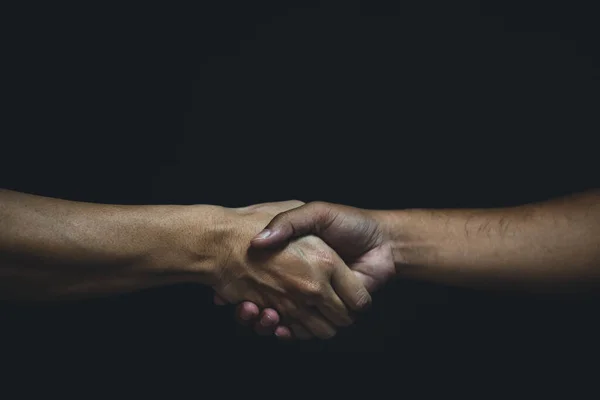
(282, 332)
(264, 234)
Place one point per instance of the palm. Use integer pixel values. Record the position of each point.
(359, 241)
(374, 268)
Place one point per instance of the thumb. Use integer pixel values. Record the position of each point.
(304, 220)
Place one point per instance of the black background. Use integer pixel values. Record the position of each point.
(375, 105)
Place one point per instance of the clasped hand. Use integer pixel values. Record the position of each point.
(310, 269)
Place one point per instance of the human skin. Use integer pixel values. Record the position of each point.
(547, 246)
(53, 249)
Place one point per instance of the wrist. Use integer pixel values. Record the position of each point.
(407, 233)
(196, 243)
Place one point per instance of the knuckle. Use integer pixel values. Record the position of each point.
(327, 263)
(312, 289)
(322, 258)
(310, 286)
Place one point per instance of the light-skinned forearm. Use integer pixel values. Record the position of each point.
(55, 249)
(550, 244)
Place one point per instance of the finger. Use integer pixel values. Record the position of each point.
(315, 323)
(283, 332)
(269, 317)
(304, 220)
(334, 309)
(246, 312)
(219, 300)
(300, 332)
(267, 322)
(350, 289)
(290, 328)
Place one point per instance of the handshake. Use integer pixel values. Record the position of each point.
(296, 270)
(310, 269)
